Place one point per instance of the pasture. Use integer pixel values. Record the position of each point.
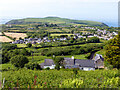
(16, 35)
(5, 39)
(61, 34)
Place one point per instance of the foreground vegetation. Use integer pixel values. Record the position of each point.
(63, 78)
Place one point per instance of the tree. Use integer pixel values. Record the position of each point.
(75, 71)
(19, 61)
(25, 52)
(33, 66)
(93, 40)
(58, 62)
(57, 67)
(29, 45)
(14, 39)
(112, 54)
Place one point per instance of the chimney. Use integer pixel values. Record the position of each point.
(72, 57)
(73, 60)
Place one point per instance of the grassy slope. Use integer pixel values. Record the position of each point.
(57, 20)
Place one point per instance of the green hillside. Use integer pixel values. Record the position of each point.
(56, 20)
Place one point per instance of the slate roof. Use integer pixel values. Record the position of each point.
(68, 61)
(48, 62)
(98, 56)
(84, 63)
(71, 63)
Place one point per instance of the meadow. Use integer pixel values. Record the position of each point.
(60, 34)
(16, 35)
(5, 39)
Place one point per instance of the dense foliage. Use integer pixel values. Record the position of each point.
(113, 51)
(93, 40)
(8, 54)
(19, 61)
(33, 66)
(61, 79)
(72, 50)
(8, 46)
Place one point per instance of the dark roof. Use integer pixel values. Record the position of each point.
(48, 62)
(42, 65)
(98, 56)
(84, 63)
(68, 61)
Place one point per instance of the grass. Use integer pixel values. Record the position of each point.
(58, 20)
(102, 52)
(82, 56)
(38, 59)
(6, 65)
(61, 34)
(21, 45)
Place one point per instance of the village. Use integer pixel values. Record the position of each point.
(101, 34)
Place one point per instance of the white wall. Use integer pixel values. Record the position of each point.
(51, 67)
(88, 68)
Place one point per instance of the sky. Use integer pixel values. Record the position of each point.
(96, 10)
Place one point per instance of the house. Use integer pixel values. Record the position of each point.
(69, 63)
(78, 63)
(48, 63)
(99, 61)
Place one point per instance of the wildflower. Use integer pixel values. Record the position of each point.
(45, 83)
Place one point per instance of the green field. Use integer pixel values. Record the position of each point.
(56, 20)
(21, 45)
(82, 56)
(102, 52)
(60, 34)
(38, 59)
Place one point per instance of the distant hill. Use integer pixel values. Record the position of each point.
(55, 20)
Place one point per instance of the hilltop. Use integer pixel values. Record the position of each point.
(55, 20)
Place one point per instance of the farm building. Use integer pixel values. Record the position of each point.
(77, 63)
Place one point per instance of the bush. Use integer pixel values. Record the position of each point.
(47, 68)
(33, 66)
(25, 52)
(57, 67)
(19, 61)
(29, 45)
(93, 40)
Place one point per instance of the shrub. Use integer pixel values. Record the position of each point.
(47, 68)
(29, 45)
(19, 61)
(33, 66)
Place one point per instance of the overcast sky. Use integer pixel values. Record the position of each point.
(96, 10)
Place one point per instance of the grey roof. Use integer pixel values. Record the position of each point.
(98, 56)
(48, 62)
(42, 65)
(84, 63)
(68, 61)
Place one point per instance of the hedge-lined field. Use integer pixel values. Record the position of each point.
(25, 78)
